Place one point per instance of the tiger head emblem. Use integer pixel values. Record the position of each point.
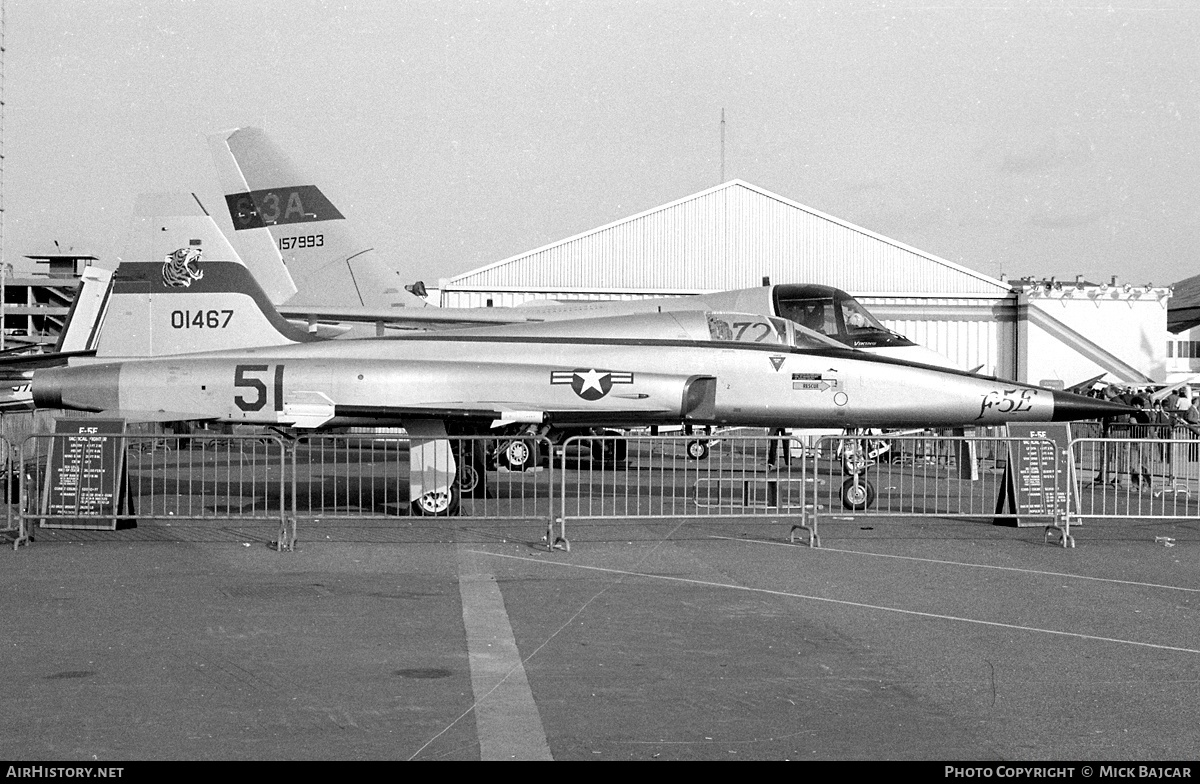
(181, 267)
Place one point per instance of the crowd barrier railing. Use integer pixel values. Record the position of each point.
(145, 477)
(606, 477)
(875, 476)
(1137, 471)
(358, 476)
(1143, 472)
(12, 487)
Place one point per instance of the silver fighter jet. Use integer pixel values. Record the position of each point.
(192, 339)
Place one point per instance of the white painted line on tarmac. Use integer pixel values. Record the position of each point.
(507, 721)
(506, 717)
(843, 602)
(963, 563)
(484, 612)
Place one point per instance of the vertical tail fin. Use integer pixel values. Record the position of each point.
(183, 289)
(312, 248)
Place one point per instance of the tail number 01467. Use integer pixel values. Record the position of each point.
(200, 319)
(251, 378)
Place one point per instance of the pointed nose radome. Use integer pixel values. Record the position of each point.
(1068, 406)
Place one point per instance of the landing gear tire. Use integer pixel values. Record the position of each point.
(609, 452)
(518, 455)
(438, 504)
(470, 479)
(857, 494)
(697, 450)
(472, 476)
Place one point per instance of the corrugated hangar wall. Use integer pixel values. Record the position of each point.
(732, 236)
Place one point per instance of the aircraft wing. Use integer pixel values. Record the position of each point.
(404, 317)
(678, 399)
(155, 416)
(499, 411)
(632, 410)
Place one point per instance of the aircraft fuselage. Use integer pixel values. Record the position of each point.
(568, 381)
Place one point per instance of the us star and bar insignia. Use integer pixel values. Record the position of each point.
(590, 383)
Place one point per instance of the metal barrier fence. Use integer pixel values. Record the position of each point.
(628, 476)
(166, 477)
(12, 495)
(364, 475)
(934, 476)
(1138, 477)
(325, 477)
(268, 477)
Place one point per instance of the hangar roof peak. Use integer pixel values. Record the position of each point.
(730, 236)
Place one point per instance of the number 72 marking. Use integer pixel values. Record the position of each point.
(244, 378)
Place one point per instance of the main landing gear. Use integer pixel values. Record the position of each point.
(471, 459)
(470, 462)
(518, 454)
(439, 503)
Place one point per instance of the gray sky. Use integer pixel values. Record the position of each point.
(1030, 138)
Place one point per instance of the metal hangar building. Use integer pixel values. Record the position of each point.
(736, 235)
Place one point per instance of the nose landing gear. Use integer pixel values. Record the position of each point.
(857, 493)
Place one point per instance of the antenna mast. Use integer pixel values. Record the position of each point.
(722, 148)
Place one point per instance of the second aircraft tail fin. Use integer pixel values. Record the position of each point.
(293, 235)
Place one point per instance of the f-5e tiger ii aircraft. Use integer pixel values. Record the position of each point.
(188, 338)
(309, 259)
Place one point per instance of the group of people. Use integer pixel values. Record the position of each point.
(1178, 406)
(1174, 416)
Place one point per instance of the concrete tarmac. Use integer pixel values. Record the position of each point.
(899, 639)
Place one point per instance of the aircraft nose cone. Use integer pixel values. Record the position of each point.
(1069, 406)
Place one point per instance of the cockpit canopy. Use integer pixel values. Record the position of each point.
(835, 314)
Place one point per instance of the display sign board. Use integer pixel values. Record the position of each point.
(1036, 480)
(86, 485)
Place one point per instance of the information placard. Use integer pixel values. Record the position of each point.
(86, 486)
(1036, 481)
